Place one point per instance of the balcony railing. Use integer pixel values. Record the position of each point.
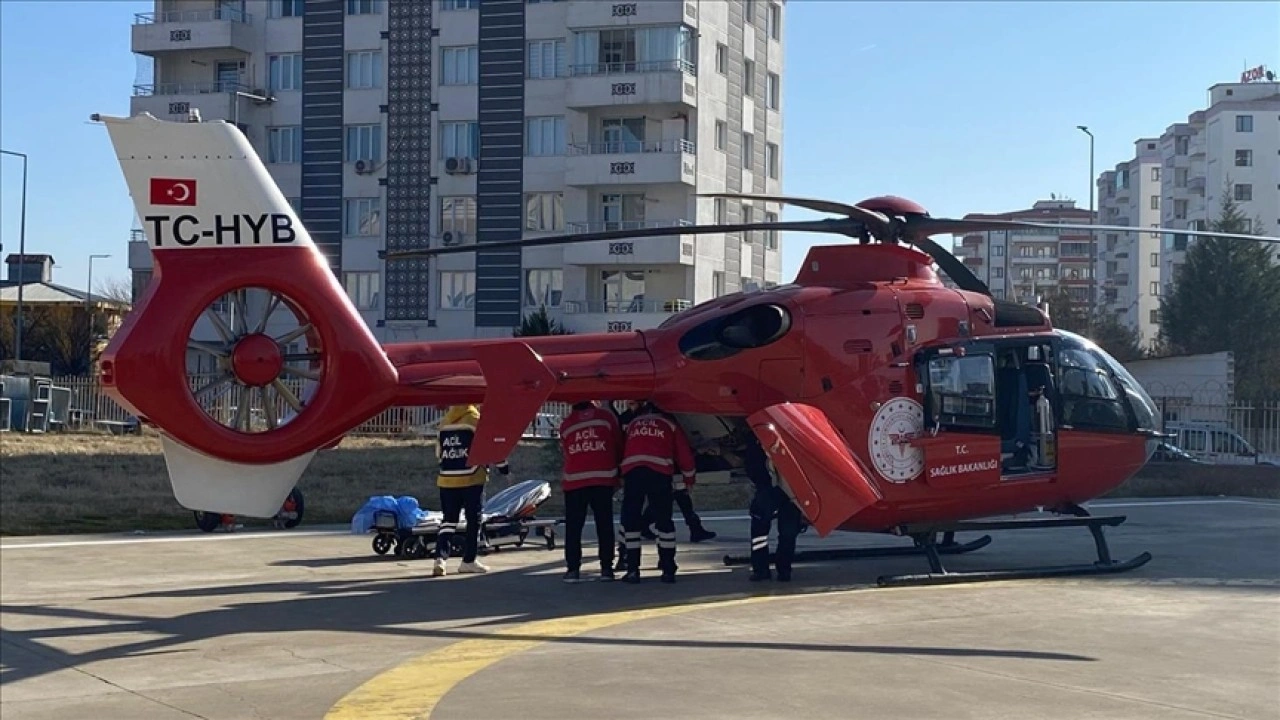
(185, 16)
(610, 225)
(205, 88)
(622, 147)
(637, 305)
(623, 68)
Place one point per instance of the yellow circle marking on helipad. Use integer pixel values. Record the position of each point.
(413, 689)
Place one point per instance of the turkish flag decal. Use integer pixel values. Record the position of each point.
(170, 191)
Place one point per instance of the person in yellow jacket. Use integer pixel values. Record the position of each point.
(461, 487)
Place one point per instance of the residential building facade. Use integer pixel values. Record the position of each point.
(1032, 263)
(1128, 264)
(401, 125)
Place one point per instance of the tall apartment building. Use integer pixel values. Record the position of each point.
(1030, 263)
(402, 125)
(1128, 265)
(1177, 181)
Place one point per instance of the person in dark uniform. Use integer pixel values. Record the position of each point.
(769, 499)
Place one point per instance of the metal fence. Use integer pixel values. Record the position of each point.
(1258, 424)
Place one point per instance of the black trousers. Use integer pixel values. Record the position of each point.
(644, 485)
(767, 502)
(683, 501)
(454, 502)
(598, 499)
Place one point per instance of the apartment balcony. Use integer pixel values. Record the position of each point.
(595, 14)
(673, 249)
(217, 28)
(630, 163)
(631, 83)
(621, 315)
(172, 101)
(1196, 184)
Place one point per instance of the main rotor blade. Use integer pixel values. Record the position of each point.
(827, 206)
(936, 226)
(850, 228)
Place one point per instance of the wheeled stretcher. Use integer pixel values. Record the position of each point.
(506, 519)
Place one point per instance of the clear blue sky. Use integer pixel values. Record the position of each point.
(963, 107)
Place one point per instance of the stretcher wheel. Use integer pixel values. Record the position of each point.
(381, 544)
(207, 521)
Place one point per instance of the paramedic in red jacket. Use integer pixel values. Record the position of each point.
(655, 451)
(591, 444)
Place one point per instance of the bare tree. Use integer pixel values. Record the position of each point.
(116, 290)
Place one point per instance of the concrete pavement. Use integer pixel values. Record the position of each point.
(309, 624)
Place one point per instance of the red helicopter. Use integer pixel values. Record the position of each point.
(888, 402)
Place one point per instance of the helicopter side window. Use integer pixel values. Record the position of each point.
(1090, 398)
(962, 391)
(751, 327)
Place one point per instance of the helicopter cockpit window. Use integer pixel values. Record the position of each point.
(751, 327)
(1090, 398)
(962, 390)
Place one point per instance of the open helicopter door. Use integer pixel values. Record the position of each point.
(961, 437)
(815, 463)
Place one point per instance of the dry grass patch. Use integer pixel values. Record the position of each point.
(91, 482)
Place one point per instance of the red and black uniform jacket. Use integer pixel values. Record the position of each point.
(591, 442)
(656, 442)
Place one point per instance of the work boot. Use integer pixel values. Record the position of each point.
(572, 576)
(700, 533)
(632, 577)
(621, 564)
(784, 573)
(633, 566)
(667, 563)
(606, 573)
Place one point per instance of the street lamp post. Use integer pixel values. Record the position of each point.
(1093, 237)
(22, 254)
(88, 308)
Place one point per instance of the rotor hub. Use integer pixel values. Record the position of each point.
(256, 360)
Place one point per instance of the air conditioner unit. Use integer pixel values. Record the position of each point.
(458, 165)
(364, 167)
(451, 238)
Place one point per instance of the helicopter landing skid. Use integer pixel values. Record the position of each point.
(940, 576)
(948, 546)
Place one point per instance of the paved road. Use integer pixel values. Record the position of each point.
(309, 624)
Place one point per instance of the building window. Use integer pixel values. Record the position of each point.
(722, 134)
(1247, 225)
(771, 160)
(459, 4)
(717, 283)
(748, 78)
(722, 58)
(1154, 289)
(544, 136)
(748, 150)
(458, 216)
(625, 50)
(361, 217)
(285, 8)
(773, 90)
(722, 211)
(771, 236)
(1155, 174)
(457, 290)
(1155, 317)
(460, 139)
(1243, 192)
(364, 7)
(363, 288)
(1155, 259)
(1179, 177)
(364, 70)
(364, 142)
(544, 212)
(1244, 158)
(547, 59)
(997, 251)
(543, 287)
(461, 65)
(284, 72)
(1244, 123)
(773, 21)
(749, 10)
(998, 272)
(1155, 202)
(284, 144)
(622, 212)
(622, 290)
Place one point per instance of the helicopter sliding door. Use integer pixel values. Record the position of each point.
(961, 438)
